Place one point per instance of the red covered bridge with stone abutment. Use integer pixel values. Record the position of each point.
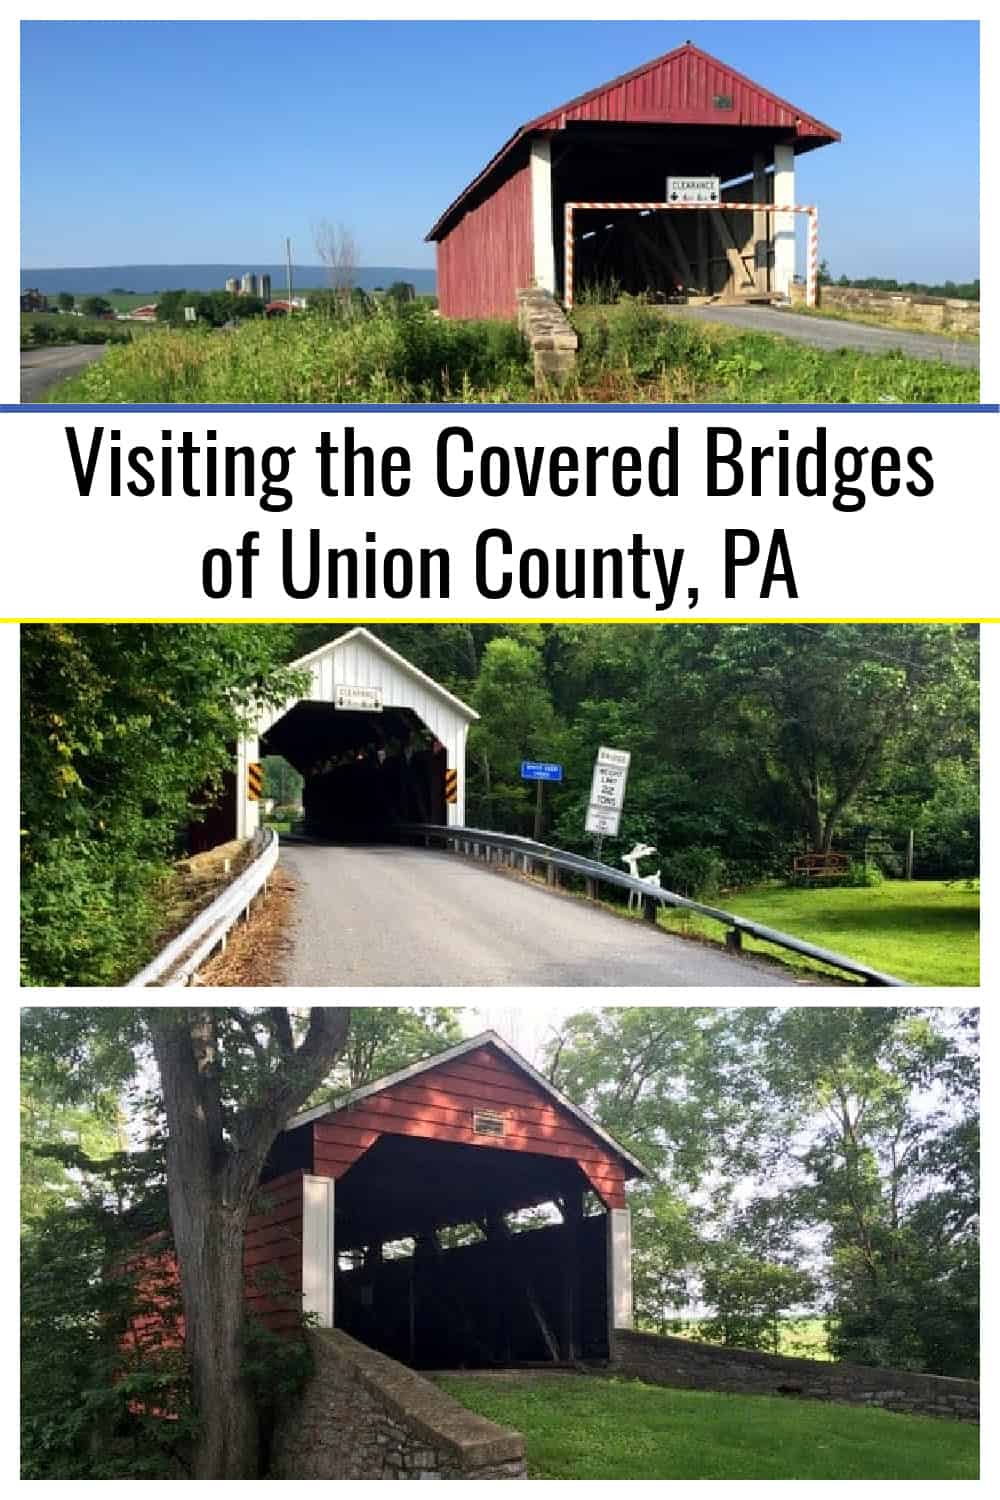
(388, 1213)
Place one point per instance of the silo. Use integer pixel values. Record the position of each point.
(265, 286)
(233, 285)
(249, 287)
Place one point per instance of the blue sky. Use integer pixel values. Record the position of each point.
(187, 142)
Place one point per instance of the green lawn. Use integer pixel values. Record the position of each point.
(924, 931)
(585, 1427)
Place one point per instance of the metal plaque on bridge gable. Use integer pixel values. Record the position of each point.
(693, 190)
(361, 699)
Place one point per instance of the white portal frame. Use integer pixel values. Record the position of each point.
(619, 1231)
(319, 1248)
(812, 260)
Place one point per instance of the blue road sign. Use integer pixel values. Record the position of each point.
(540, 770)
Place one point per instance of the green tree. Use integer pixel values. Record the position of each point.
(829, 708)
(839, 1144)
(384, 1038)
(518, 721)
(126, 731)
(281, 780)
(890, 1174)
(749, 1295)
(57, 1138)
(95, 307)
(212, 309)
(66, 301)
(229, 1080)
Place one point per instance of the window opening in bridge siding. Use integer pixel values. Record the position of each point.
(487, 1122)
(522, 1220)
(454, 1236)
(399, 1249)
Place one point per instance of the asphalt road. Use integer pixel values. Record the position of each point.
(377, 915)
(45, 367)
(832, 333)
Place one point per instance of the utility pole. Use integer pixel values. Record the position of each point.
(288, 263)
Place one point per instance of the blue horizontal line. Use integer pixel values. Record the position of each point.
(730, 409)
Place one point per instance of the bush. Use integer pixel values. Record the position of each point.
(38, 330)
(696, 872)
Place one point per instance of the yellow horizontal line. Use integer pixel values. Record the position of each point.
(685, 619)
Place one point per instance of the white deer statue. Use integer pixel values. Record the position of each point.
(632, 858)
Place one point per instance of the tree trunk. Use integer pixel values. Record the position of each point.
(210, 1253)
(213, 1166)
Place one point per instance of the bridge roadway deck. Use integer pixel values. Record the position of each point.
(381, 915)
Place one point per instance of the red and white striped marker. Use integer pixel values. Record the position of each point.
(812, 263)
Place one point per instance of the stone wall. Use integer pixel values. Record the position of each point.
(363, 1416)
(940, 314)
(552, 337)
(661, 1360)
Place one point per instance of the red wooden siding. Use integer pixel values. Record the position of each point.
(680, 88)
(488, 255)
(273, 1240)
(160, 1325)
(273, 1243)
(438, 1105)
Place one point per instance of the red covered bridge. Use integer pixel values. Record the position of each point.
(683, 114)
(389, 1215)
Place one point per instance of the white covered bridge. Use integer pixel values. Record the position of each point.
(376, 741)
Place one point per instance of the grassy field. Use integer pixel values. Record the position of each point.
(584, 1427)
(627, 354)
(924, 931)
(802, 1338)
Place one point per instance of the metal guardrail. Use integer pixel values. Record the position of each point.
(175, 964)
(480, 841)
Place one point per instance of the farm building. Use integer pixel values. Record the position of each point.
(388, 1214)
(683, 115)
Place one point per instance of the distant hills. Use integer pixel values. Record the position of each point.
(91, 280)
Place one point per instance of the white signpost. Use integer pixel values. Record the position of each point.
(360, 699)
(693, 190)
(607, 791)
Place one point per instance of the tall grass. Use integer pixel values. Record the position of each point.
(386, 357)
(628, 353)
(637, 352)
